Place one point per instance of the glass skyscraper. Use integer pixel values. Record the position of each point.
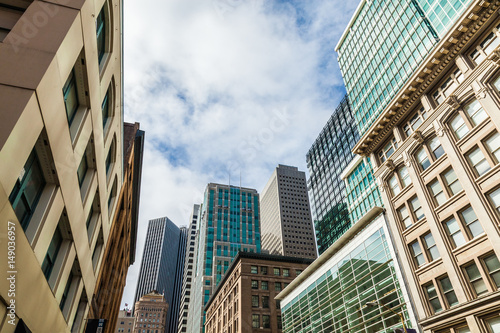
(328, 156)
(162, 265)
(383, 46)
(230, 222)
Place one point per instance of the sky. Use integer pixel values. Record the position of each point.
(225, 89)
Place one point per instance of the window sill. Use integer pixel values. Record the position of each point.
(428, 266)
(450, 202)
(468, 245)
(473, 136)
(489, 179)
(435, 165)
(414, 227)
(77, 124)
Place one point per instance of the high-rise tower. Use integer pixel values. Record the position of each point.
(286, 217)
(230, 222)
(162, 265)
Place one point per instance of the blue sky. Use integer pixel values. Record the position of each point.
(223, 88)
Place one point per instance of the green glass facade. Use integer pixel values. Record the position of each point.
(361, 191)
(384, 45)
(328, 156)
(336, 301)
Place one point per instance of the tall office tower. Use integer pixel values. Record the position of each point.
(434, 149)
(328, 156)
(285, 214)
(162, 265)
(230, 222)
(61, 159)
(397, 36)
(189, 270)
(120, 249)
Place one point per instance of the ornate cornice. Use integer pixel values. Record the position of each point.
(445, 52)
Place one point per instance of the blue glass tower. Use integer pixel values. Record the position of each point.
(230, 222)
(383, 46)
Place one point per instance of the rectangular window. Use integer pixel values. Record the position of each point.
(280, 324)
(493, 267)
(298, 271)
(101, 34)
(437, 192)
(449, 293)
(52, 252)
(417, 253)
(475, 111)
(263, 270)
(433, 298)
(27, 190)
(476, 279)
(452, 181)
(105, 109)
(286, 272)
(459, 127)
(265, 302)
(66, 291)
(266, 321)
(277, 286)
(255, 284)
(494, 324)
(393, 185)
(493, 145)
(255, 301)
(254, 270)
(436, 148)
(454, 232)
(276, 271)
(471, 221)
(264, 285)
(431, 247)
(478, 161)
(70, 95)
(404, 216)
(405, 177)
(255, 321)
(495, 199)
(82, 169)
(418, 212)
(422, 159)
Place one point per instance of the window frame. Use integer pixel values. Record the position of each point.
(480, 49)
(391, 145)
(419, 114)
(466, 118)
(441, 92)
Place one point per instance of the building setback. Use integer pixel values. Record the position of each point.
(121, 246)
(327, 157)
(151, 313)
(230, 222)
(434, 152)
(189, 270)
(286, 217)
(162, 265)
(61, 156)
(356, 285)
(244, 300)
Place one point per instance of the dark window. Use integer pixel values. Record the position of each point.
(101, 34)
(27, 190)
(70, 94)
(52, 252)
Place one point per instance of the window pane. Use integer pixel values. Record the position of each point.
(493, 268)
(494, 324)
(436, 148)
(433, 298)
(455, 233)
(393, 184)
(478, 161)
(459, 127)
(105, 109)
(70, 97)
(417, 209)
(52, 251)
(493, 144)
(101, 34)
(437, 192)
(405, 177)
(431, 246)
(476, 279)
(448, 291)
(405, 217)
(452, 181)
(476, 112)
(472, 222)
(417, 253)
(495, 198)
(422, 159)
(82, 169)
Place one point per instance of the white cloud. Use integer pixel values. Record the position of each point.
(225, 85)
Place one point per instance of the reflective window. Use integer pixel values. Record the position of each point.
(415, 121)
(448, 86)
(476, 279)
(478, 161)
(70, 97)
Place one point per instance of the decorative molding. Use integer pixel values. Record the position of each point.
(453, 102)
(390, 165)
(417, 136)
(482, 93)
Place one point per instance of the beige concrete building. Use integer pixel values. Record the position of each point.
(60, 156)
(436, 156)
(287, 227)
(150, 313)
(125, 321)
(244, 300)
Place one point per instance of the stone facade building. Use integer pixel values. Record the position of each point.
(151, 313)
(244, 300)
